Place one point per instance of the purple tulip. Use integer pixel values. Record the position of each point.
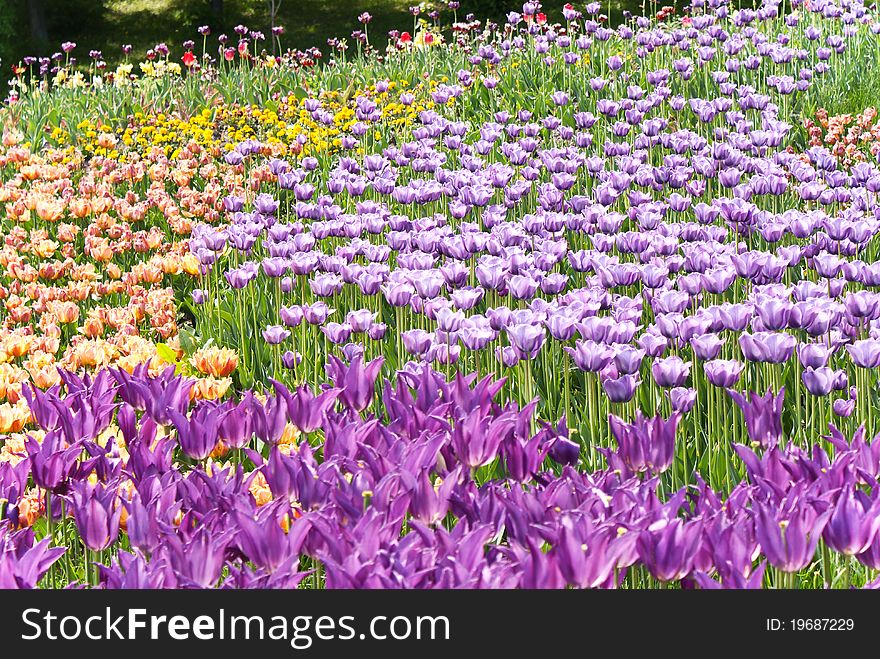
(270, 417)
(197, 560)
(723, 372)
(291, 316)
(622, 389)
(865, 353)
(416, 341)
(670, 372)
(355, 381)
(524, 455)
(96, 511)
(668, 547)
(818, 381)
(763, 416)
(628, 359)
(853, 523)
(771, 347)
(586, 555)
(429, 501)
(265, 542)
(788, 532)
(52, 461)
(476, 438)
(198, 434)
(236, 427)
(527, 339)
(682, 399)
(291, 359)
(307, 411)
(844, 407)
(813, 355)
(590, 356)
(24, 565)
(647, 444)
(707, 346)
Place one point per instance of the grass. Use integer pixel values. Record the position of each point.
(855, 88)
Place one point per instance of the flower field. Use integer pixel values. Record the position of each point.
(528, 305)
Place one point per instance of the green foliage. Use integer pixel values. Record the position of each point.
(853, 88)
(7, 31)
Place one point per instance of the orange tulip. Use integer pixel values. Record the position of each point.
(92, 328)
(217, 362)
(80, 208)
(49, 210)
(30, 508)
(45, 376)
(210, 388)
(13, 418)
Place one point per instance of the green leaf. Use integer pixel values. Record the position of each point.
(188, 342)
(166, 353)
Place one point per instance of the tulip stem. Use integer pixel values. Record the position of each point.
(68, 568)
(241, 329)
(94, 577)
(567, 377)
(826, 565)
(51, 533)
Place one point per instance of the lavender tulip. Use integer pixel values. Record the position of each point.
(763, 416)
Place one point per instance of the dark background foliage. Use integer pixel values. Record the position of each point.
(38, 27)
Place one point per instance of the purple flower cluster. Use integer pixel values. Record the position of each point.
(667, 243)
(543, 334)
(447, 487)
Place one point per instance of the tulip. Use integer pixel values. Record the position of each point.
(294, 476)
(590, 356)
(307, 411)
(818, 381)
(265, 542)
(853, 523)
(865, 353)
(682, 399)
(723, 373)
(355, 381)
(585, 555)
(52, 461)
(24, 566)
(270, 418)
(198, 559)
(429, 502)
(670, 372)
(763, 416)
(275, 334)
(477, 438)
(646, 444)
(789, 532)
(668, 547)
(96, 511)
(198, 433)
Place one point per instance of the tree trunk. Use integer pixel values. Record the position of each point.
(37, 19)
